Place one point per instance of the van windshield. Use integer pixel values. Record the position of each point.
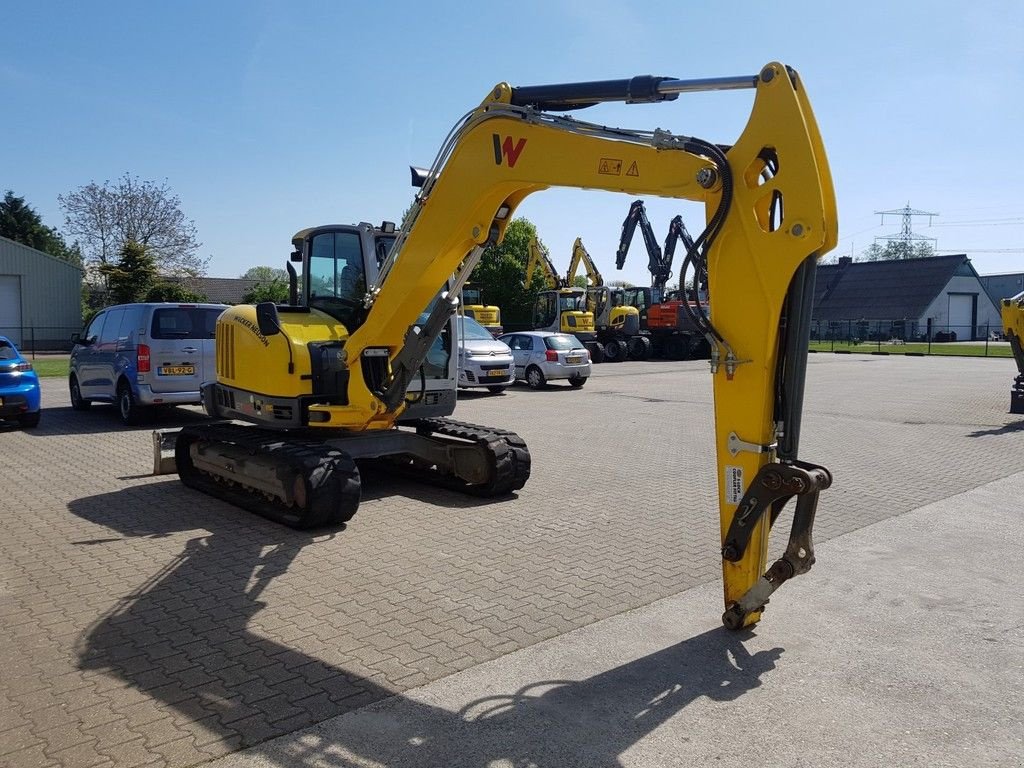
(185, 322)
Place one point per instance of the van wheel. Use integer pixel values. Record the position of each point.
(535, 378)
(78, 403)
(131, 412)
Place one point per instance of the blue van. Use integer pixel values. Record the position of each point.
(144, 355)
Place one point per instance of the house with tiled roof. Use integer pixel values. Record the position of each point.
(219, 290)
(906, 298)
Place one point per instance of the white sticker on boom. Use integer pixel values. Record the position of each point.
(733, 484)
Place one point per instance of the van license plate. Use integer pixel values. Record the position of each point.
(498, 372)
(178, 370)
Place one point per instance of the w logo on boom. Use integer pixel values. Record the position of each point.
(506, 150)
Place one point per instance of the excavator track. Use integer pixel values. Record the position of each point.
(323, 483)
(508, 458)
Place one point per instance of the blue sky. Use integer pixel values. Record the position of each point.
(268, 117)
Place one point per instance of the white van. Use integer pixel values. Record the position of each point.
(143, 355)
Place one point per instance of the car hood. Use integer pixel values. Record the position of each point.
(485, 346)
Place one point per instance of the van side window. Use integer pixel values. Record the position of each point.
(129, 325)
(92, 333)
(108, 336)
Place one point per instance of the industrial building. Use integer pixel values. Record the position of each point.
(40, 297)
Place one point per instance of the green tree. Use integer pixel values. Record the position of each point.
(275, 291)
(132, 277)
(265, 274)
(20, 222)
(164, 290)
(501, 274)
(894, 250)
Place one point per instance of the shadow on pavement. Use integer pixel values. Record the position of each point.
(1017, 426)
(184, 639)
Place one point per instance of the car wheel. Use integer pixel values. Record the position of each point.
(577, 381)
(535, 378)
(78, 403)
(496, 390)
(130, 411)
(29, 420)
(614, 351)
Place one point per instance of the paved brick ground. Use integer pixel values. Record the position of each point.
(144, 624)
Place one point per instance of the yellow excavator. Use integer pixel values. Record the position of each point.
(1013, 330)
(560, 307)
(616, 325)
(488, 315)
(327, 380)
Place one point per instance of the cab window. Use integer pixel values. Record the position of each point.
(337, 280)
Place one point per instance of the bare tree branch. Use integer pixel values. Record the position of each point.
(131, 210)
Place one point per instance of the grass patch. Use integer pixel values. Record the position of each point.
(51, 367)
(952, 350)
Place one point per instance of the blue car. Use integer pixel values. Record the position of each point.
(19, 386)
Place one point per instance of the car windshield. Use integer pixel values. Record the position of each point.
(471, 329)
(563, 342)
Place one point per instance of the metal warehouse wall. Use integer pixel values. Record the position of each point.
(51, 295)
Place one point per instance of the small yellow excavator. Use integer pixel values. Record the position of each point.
(560, 307)
(488, 315)
(1013, 330)
(326, 380)
(617, 326)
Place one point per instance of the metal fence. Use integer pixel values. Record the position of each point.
(35, 339)
(985, 339)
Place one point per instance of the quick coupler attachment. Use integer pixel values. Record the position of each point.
(773, 487)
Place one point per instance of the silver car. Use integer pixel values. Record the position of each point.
(483, 360)
(543, 355)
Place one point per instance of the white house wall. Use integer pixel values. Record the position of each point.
(938, 310)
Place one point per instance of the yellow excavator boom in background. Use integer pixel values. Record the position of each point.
(770, 216)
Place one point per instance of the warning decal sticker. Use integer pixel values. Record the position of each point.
(733, 484)
(609, 166)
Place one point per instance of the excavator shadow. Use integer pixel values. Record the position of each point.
(192, 640)
(1016, 426)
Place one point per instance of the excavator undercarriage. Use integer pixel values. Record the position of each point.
(310, 480)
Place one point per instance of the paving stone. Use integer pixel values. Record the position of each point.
(131, 606)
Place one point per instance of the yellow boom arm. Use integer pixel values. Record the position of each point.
(581, 256)
(770, 212)
(539, 257)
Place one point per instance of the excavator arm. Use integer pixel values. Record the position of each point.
(760, 265)
(581, 256)
(539, 257)
(637, 216)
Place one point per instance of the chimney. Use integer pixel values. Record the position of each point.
(844, 261)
